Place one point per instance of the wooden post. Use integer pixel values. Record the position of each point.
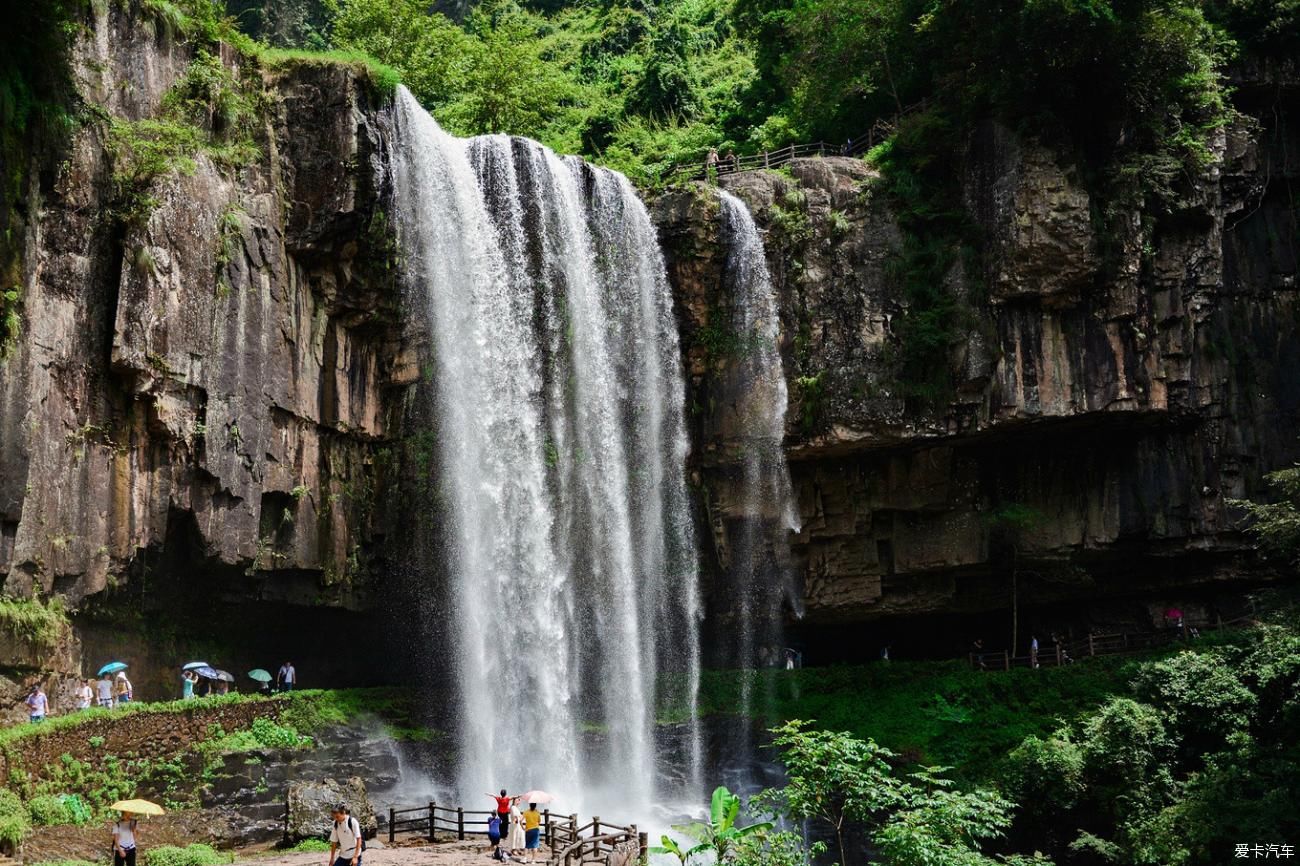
(1092, 649)
(392, 820)
(550, 833)
(433, 819)
(460, 823)
(643, 848)
(1058, 655)
(573, 828)
(595, 825)
(1006, 659)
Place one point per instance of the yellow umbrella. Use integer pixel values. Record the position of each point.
(137, 807)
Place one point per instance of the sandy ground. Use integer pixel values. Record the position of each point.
(409, 854)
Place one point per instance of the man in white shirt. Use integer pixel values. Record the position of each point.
(286, 677)
(345, 839)
(37, 704)
(104, 688)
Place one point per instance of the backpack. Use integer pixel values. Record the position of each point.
(352, 821)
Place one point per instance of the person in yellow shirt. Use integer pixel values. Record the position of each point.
(532, 831)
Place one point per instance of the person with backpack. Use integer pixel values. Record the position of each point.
(126, 836)
(346, 844)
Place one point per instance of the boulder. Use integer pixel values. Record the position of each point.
(310, 804)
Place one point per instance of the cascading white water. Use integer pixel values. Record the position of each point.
(559, 398)
(757, 399)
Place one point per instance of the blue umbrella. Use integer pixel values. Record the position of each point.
(112, 668)
(194, 665)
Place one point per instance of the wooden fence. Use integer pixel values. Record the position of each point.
(1067, 652)
(566, 840)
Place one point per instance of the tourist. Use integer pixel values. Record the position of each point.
(104, 690)
(1033, 651)
(38, 705)
(730, 160)
(346, 844)
(789, 659)
(515, 840)
(126, 836)
(188, 679)
(532, 831)
(84, 694)
(494, 827)
(122, 689)
(503, 807)
(286, 677)
(977, 651)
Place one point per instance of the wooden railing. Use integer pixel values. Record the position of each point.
(595, 841)
(1067, 652)
(770, 159)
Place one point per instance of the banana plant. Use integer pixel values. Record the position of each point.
(718, 835)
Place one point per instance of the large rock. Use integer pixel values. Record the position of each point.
(310, 804)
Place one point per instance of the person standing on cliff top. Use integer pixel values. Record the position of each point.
(286, 677)
(104, 689)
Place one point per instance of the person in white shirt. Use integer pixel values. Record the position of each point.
(286, 677)
(38, 705)
(104, 688)
(345, 839)
(126, 836)
(84, 694)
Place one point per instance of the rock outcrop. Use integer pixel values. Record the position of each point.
(209, 379)
(1117, 405)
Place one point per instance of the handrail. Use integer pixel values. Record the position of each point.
(772, 158)
(563, 832)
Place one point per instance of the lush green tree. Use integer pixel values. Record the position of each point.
(432, 54)
(834, 778)
(1277, 524)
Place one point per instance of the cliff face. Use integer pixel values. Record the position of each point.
(1111, 406)
(200, 391)
(205, 399)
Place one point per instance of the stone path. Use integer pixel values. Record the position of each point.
(441, 854)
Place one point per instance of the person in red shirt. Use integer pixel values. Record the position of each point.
(503, 808)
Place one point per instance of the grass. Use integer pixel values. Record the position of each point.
(382, 77)
(307, 711)
(39, 624)
(930, 712)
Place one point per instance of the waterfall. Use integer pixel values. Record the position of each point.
(558, 392)
(760, 495)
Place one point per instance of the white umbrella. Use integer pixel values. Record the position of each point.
(536, 797)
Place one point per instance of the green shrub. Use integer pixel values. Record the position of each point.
(39, 624)
(14, 822)
(314, 845)
(191, 855)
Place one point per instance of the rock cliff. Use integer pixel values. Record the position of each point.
(1113, 405)
(204, 401)
(201, 380)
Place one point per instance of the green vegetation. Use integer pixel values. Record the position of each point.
(718, 836)
(58, 809)
(312, 845)
(930, 712)
(1202, 754)
(196, 854)
(14, 822)
(1277, 524)
(39, 624)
